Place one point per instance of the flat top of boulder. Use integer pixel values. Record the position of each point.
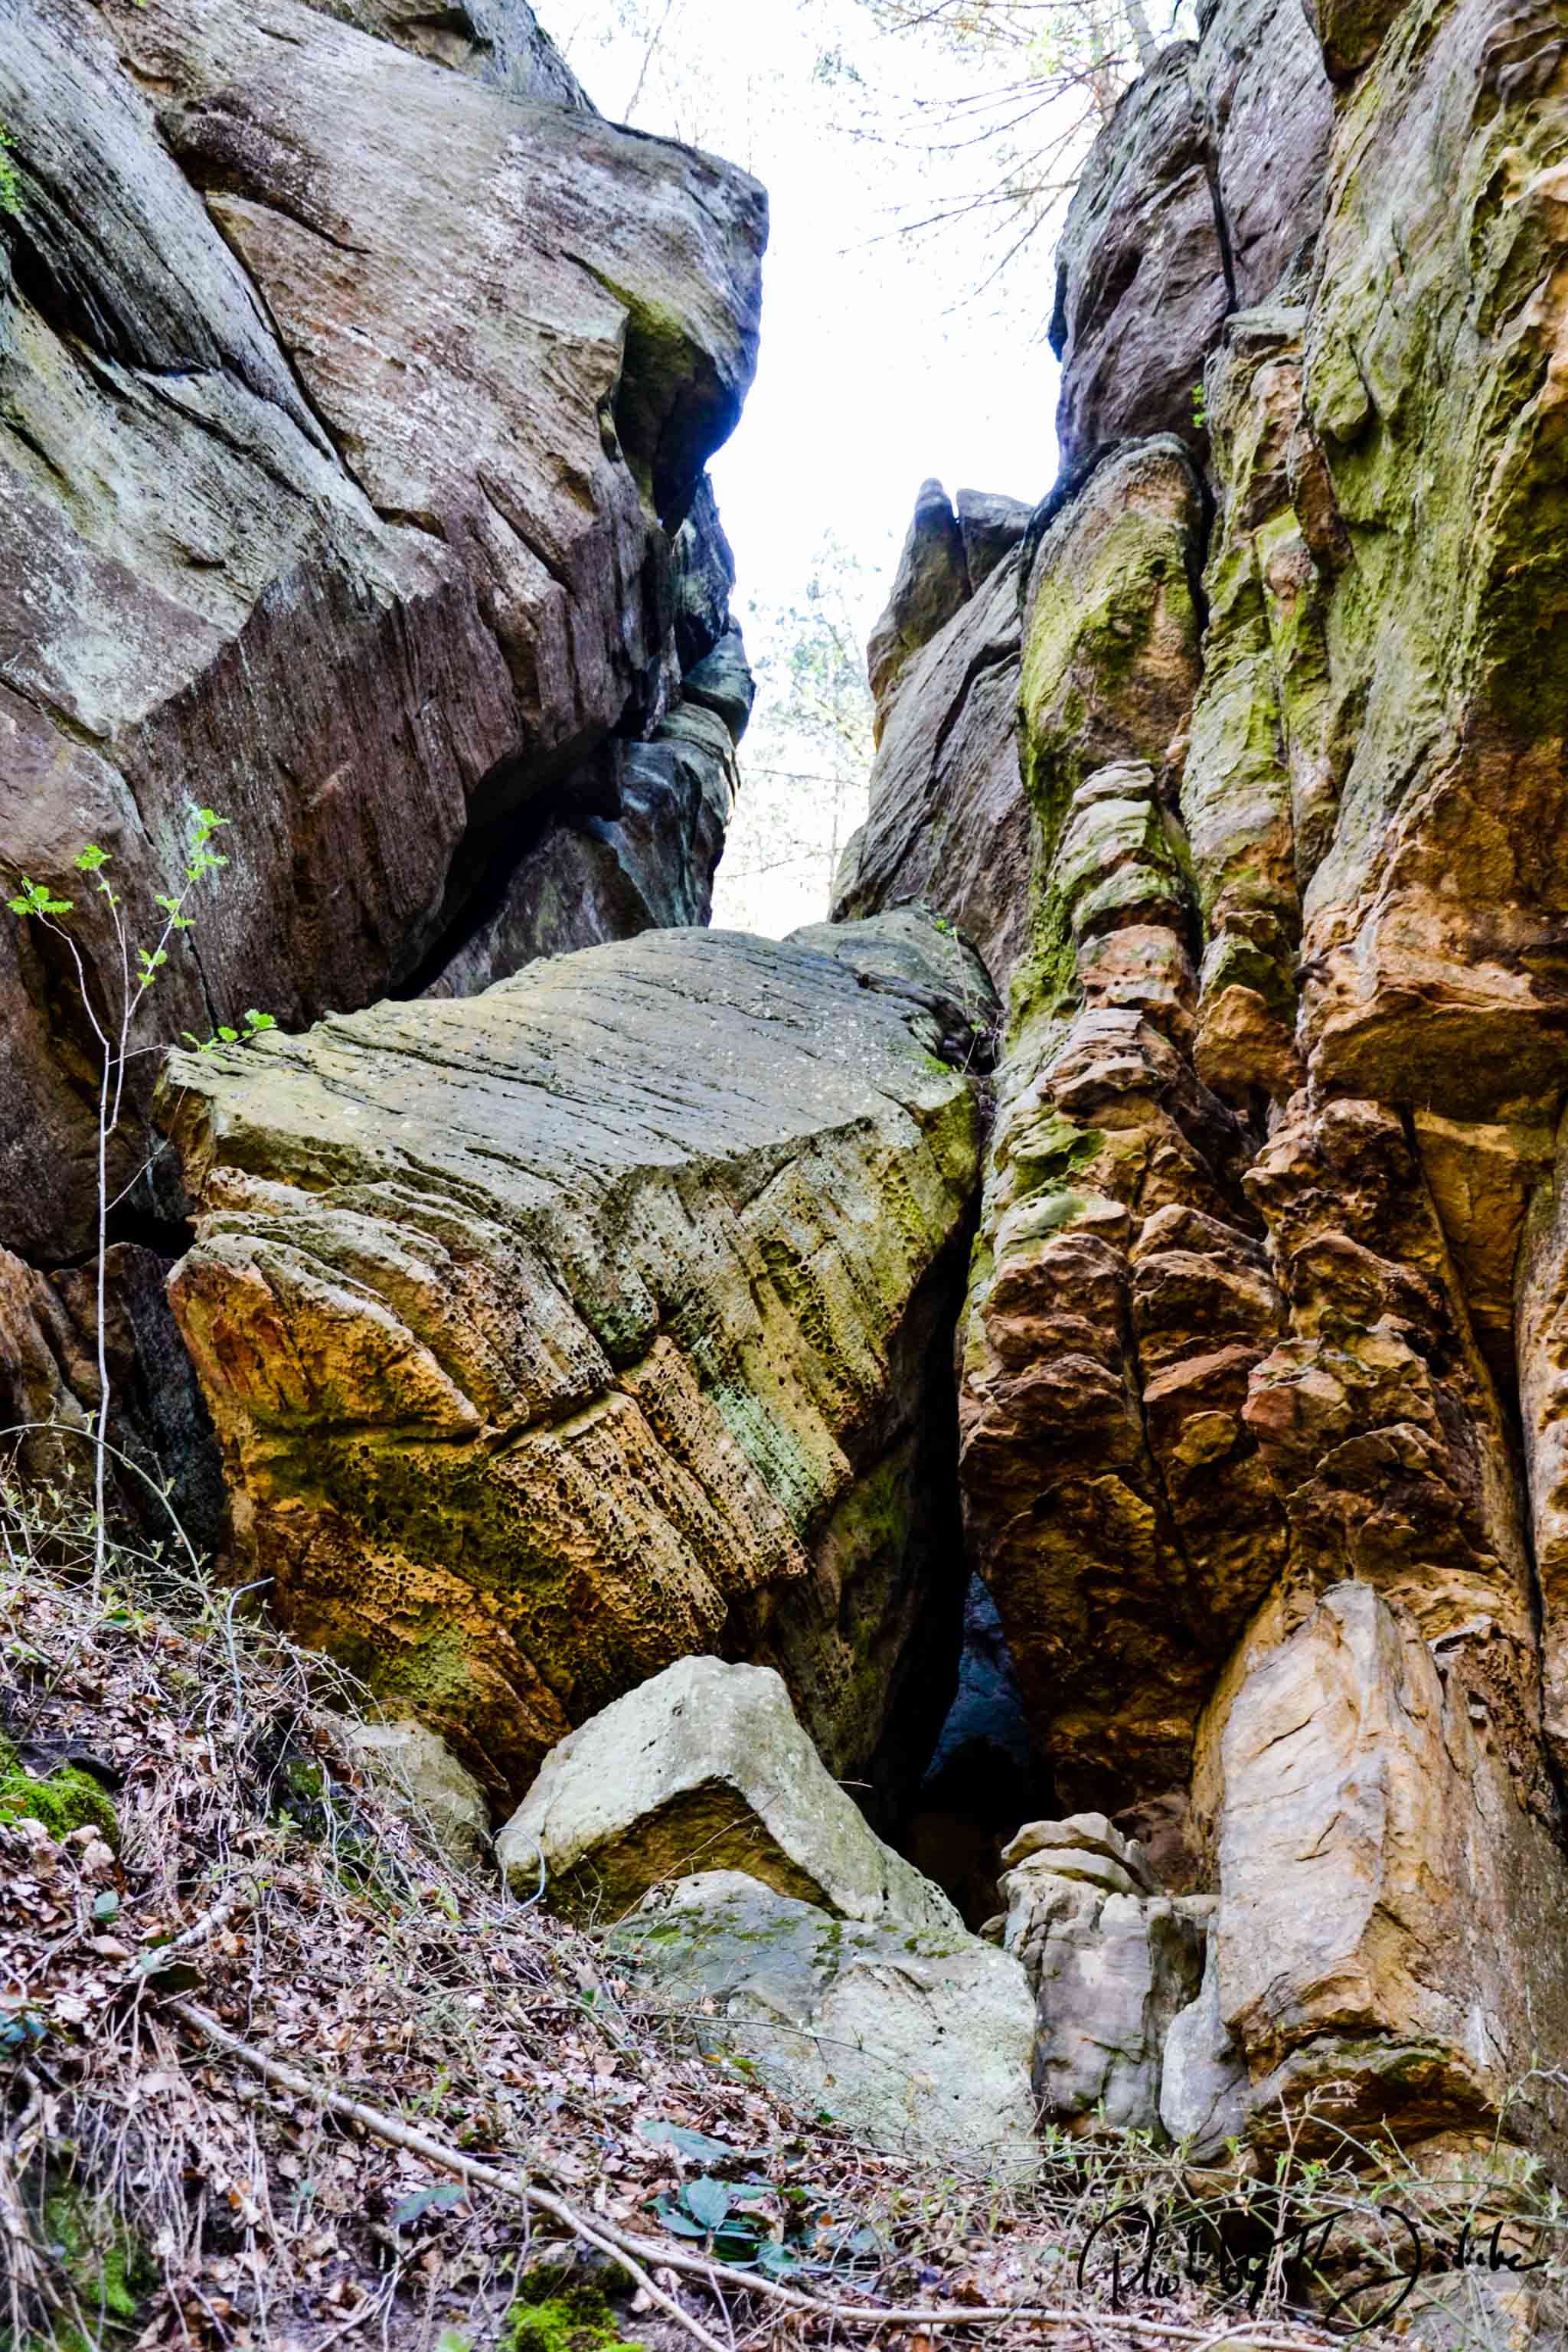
(516, 1090)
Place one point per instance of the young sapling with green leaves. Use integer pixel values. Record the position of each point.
(112, 1024)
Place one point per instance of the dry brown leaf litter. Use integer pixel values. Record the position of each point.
(261, 1883)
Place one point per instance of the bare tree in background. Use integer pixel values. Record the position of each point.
(1040, 78)
(806, 761)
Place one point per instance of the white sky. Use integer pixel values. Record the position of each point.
(877, 365)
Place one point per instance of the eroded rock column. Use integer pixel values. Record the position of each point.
(1114, 1497)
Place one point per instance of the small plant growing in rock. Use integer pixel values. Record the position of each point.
(1200, 407)
(10, 179)
(112, 1018)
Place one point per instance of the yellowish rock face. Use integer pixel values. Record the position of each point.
(586, 1324)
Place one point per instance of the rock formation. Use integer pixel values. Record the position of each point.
(625, 1342)
(1191, 206)
(949, 824)
(360, 382)
(557, 1333)
(1262, 1364)
(704, 1768)
(742, 1886)
(1111, 1961)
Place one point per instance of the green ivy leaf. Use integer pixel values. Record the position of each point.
(678, 2221)
(707, 2201)
(444, 2194)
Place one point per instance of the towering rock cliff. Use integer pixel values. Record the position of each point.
(359, 384)
(1262, 1386)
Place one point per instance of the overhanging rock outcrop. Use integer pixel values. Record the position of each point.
(353, 407)
(497, 41)
(561, 1332)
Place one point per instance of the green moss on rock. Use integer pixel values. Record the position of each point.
(64, 1800)
(108, 2268)
(559, 2310)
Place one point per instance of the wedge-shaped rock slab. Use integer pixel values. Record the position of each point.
(914, 2040)
(948, 821)
(705, 1767)
(591, 1323)
(1390, 1919)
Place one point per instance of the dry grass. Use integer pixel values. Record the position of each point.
(156, 2190)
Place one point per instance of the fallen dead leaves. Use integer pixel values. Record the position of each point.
(329, 1931)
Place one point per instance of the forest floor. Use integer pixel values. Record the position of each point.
(276, 2076)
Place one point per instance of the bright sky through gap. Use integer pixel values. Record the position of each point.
(880, 365)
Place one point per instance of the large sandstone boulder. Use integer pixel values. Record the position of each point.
(352, 405)
(557, 1333)
(704, 1768)
(917, 2041)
